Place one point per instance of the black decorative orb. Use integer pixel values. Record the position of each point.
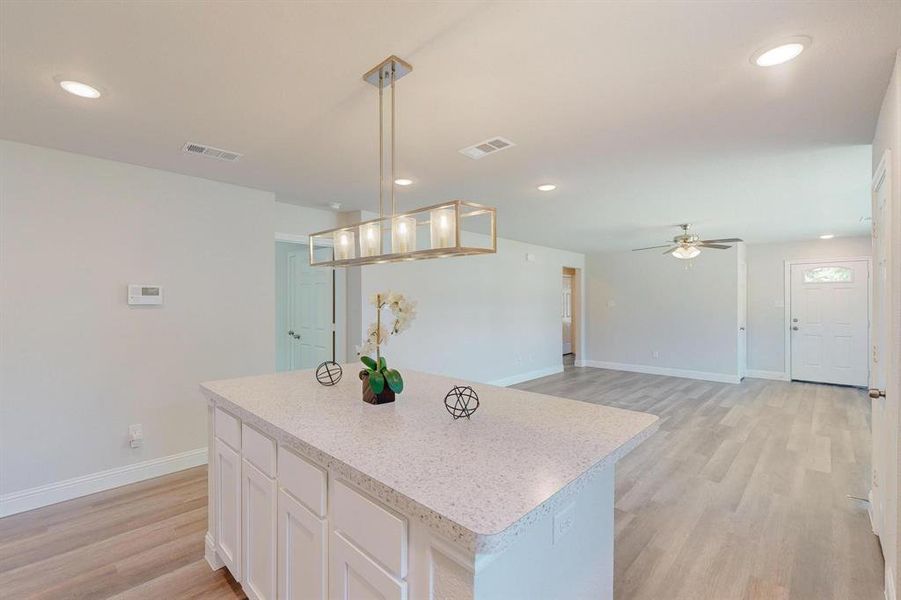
(461, 401)
(329, 373)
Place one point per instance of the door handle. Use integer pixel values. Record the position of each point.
(795, 328)
(876, 394)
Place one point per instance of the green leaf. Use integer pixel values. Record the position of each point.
(395, 381)
(382, 363)
(376, 382)
(368, 362)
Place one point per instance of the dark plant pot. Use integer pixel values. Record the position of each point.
(371, 397)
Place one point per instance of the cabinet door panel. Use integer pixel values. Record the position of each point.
(228, 501)
(355, 576)
(302, 565)
(259, 533)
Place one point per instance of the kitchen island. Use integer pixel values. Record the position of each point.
(315, 494)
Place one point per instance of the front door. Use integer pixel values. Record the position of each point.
(304, 309)
(830, 322)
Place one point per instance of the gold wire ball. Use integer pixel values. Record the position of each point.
(461, 401)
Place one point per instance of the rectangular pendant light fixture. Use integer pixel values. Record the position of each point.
(454, 228)
(429, 232)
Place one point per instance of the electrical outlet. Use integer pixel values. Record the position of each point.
(655, 354)
(563, 522)
(136, 435)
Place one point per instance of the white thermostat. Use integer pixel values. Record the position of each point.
(145, 294)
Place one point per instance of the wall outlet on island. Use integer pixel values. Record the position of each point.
(136, 435)
(655, 354)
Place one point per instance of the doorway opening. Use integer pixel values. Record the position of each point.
(305, 308)
(568, 315)
(827, 320)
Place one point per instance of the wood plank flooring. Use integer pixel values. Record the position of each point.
(740, 495)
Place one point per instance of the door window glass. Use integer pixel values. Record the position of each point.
(828, 275)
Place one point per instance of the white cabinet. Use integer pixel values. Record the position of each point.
(302, 564)
(227, 487)
(355, 576)
(259, 516)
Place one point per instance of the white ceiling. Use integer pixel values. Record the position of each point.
(645, 114)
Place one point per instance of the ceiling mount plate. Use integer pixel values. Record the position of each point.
(401, 68)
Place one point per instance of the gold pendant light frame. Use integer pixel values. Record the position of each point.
(453, 228)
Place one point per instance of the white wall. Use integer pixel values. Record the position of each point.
(766, 295)
(493, 318)
(639, 303)
(78, 365)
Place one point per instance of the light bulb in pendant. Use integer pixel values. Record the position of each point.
(443, 228)
(403, 235)
(344, 245)
(369, 239)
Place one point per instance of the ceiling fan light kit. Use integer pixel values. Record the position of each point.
(686, 246)
(438, 231)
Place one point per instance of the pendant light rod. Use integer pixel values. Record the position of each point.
(381, 146)
(393, 149)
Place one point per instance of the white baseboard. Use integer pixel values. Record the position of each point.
(212, 557)
(76, 487)
(889, 584)
(528, 376)
(774, 375)
(650, 370)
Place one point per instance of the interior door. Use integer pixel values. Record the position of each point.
(304, 309)
(567, 314)
(885, 417)
(830, 322)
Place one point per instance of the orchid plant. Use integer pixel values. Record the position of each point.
(403, 311)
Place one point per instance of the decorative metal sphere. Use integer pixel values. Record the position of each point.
(461, 401)
(329, 373)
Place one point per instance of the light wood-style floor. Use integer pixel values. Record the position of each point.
(743, 492)
(740, 495)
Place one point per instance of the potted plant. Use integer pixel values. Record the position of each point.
(380, 384)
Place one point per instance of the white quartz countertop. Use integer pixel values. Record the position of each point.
(477, 479)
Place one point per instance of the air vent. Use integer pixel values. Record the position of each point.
(217, 153)
(486, 147)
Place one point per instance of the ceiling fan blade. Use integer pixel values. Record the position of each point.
(726, 240)
(650, 247)
(717, 246)
(671, 249)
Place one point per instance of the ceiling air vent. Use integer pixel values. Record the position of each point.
(211, 152)
(486, 147)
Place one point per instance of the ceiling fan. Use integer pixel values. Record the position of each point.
(688, 245)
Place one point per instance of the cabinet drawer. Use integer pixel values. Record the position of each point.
(259, 451)
(303, 480)
(380, 533)
(228, 429)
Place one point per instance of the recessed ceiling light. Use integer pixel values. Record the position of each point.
(784, 52)
(547, 187)
(79, 89)
(403, 181)
(827, 236)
